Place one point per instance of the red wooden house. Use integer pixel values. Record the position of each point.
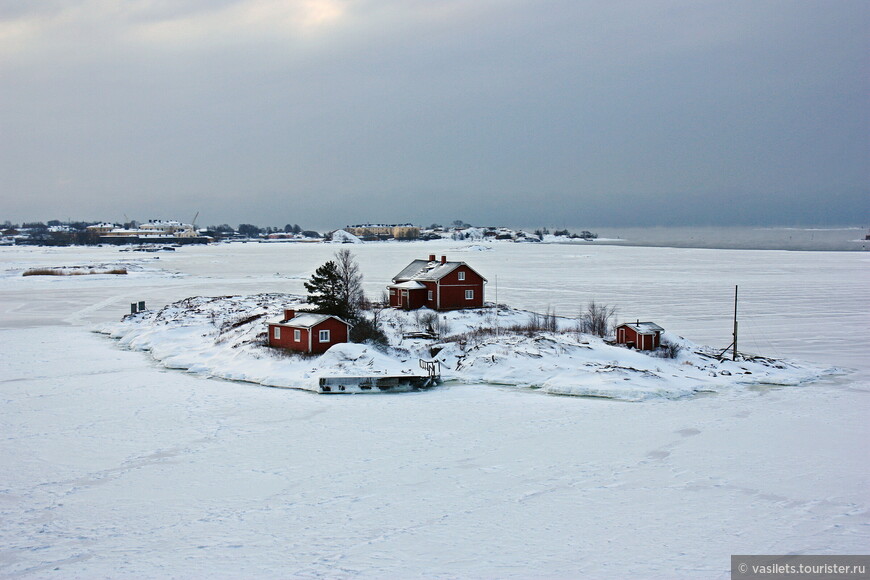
(307, 331)
(439, 285)
(640, 335)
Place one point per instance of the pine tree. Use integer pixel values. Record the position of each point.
(325, 291)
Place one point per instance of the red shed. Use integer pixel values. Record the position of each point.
(307, 332)
(640, 335)
(439, 285)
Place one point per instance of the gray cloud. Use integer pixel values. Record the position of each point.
(326, 112)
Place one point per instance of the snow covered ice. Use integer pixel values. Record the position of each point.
(116, 466)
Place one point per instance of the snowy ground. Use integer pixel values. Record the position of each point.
(225, 337)
(118, 467)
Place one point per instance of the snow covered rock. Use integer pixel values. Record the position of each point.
(345, 237)
(226, 337)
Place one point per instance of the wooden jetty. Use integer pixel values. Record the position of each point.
(383, 383)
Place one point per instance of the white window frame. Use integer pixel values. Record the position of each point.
(276, 332)
(429, 296)
(323, 336)
(461, 276)
(469, 294)
(392, 291)
(297, 335)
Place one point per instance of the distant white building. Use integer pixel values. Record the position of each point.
(152, 229)
(155, 231)
(102, 228)
(168, 227)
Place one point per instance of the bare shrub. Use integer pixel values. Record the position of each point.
(597, 319)
(365, 330)
(426, 321)
(370, 330)
(548, 320)
(432, 323)
(42, 272)
(668, 350)
(472, 337)
(536, 323)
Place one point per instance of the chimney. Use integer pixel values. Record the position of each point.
(431, 257)
(289, 314)
(443, 259)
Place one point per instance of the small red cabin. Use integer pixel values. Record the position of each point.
(308, 332)
(437, 284)
(640, 335)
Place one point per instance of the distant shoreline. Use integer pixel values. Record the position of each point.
(837, 239)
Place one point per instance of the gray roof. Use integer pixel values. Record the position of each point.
(425, 270)
(644, 327)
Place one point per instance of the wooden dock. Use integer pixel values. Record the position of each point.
(376, 384)
(383, 384)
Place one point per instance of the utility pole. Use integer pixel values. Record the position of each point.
(496, 305)
(734, 352)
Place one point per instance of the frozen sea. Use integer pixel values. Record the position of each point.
(115, 467)
(843, 238)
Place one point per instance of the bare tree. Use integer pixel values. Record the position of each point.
(597, 319)
(351, 280)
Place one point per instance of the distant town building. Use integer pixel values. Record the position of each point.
(169, 227)
(155, 231)
(437, 284)
(384, 231)
(103, 228)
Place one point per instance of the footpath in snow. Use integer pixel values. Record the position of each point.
(226, 337)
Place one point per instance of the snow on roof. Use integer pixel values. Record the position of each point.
(644, 327)
(307, 320)
(410, 285)
(426, 270)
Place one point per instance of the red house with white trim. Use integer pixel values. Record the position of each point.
(640, 335)
(307, 332)
(437, 284)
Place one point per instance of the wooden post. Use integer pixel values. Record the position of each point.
(496, 305)
(734, 352)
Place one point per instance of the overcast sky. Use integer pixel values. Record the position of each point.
(513, 112)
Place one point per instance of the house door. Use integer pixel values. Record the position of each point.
(621, 336)
(404, 296)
